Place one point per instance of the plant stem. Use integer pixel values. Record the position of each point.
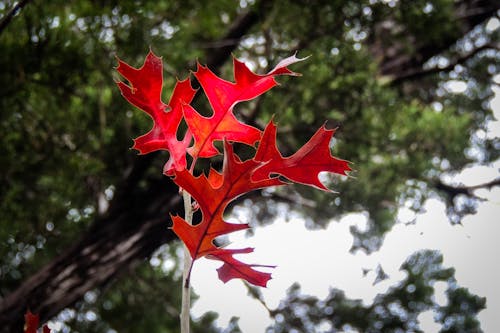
(186, 287)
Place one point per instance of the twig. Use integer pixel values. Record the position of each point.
(257, 294)
(188, 264)
(453, 191)
(412, 74)
(8, 17)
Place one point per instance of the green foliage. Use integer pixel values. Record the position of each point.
(65, 129)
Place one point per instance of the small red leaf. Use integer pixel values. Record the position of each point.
(223, 96)
(31, 322)
(235, 269)
(305, 165)
(144, 91)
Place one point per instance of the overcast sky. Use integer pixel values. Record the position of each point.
(320, 259)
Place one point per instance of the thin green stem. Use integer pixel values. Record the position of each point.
(188, 264)
(191, 169)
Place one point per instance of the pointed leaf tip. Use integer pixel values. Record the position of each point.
(281, 67)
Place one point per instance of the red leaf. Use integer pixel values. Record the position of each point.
(223, 96)
(235, 269)
(305, 165)
(213, 194)
(144, 92)
(31, 322)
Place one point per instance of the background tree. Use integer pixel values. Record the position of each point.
(81, 214)
(395, 311)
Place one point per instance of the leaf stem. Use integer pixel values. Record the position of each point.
(188, 264)
(191, 169)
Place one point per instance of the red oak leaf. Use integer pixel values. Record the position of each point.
(31, 322)
(144, 91)
(302, 167)
(213, 194)
(223, 96)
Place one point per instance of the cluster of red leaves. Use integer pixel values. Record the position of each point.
(31, 322)
(214, 192)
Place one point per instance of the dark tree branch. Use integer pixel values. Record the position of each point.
(11, 13)
(396, 62)
(132, 229)
(453, 191)
(220, 50)
(257, 294)
(417, 73)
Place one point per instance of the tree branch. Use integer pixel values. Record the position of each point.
(400, 63)
(10, 15)
(417, 73)
(220, 50)
(114, 244)
(453, 191)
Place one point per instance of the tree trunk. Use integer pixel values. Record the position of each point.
(132, 231)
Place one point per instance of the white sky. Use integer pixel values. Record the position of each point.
(320, 259)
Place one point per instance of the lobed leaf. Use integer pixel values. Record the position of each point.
(223, 96)
(144, 91)
(305, 165)
(213, 194)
